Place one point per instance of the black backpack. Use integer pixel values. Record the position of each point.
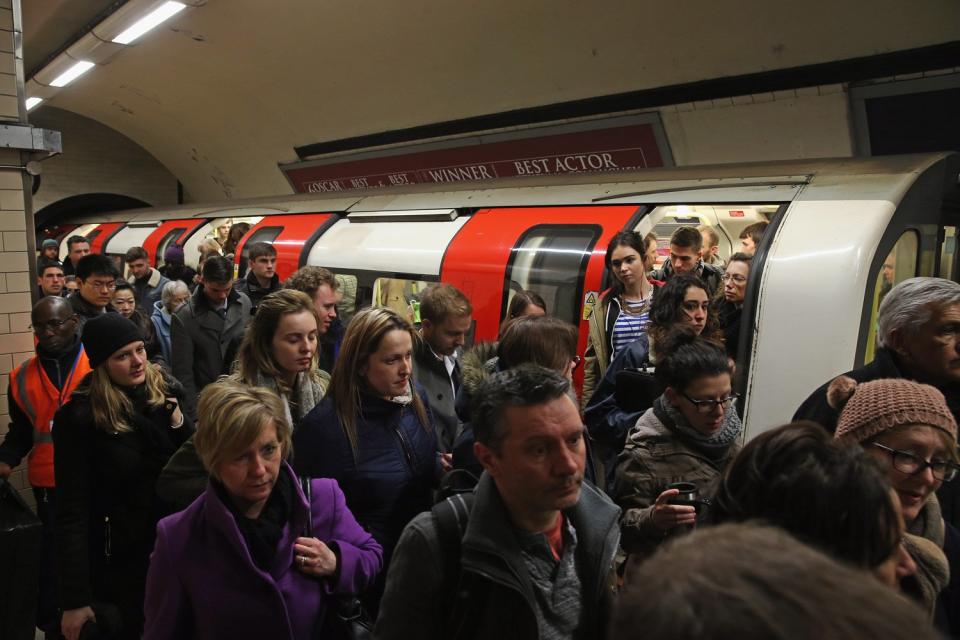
(464, 593)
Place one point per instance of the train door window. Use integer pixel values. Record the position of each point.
(263, 234)
(347, 291)
(550, 260)
(403, 296)
(948, 253)
(168, 238)
(900, 264)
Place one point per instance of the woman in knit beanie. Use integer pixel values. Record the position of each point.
(908, 427)
(111, 440)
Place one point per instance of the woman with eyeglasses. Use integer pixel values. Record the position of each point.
(729, 308)
(909, 429)
(689, 435)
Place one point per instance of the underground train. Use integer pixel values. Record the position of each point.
(841, 233)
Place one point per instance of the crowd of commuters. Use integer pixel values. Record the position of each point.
(226, 457)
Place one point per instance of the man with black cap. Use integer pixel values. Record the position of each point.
(37, 388)
(50, 249)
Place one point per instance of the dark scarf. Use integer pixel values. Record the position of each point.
(714, 447)
(262, 534)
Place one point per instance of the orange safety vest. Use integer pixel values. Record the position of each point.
(39, 400)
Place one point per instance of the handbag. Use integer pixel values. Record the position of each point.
(636, 389)
(349, 620)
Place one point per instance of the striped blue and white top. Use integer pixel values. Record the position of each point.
(633, 320)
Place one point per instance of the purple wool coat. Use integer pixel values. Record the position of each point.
(203, 582)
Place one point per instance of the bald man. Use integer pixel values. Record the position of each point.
(37, 388)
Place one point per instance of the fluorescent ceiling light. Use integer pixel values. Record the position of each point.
(149, 21)
(72, 73)
(32, 102)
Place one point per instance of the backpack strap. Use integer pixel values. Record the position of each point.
(463, 595)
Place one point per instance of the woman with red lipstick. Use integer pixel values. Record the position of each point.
(689, 435)
(112, 439)
(908, 428)
(373, 431)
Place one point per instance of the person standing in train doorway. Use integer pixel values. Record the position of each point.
(262, 277)
(323, 288)
(97, 279)
(207, 329)
(918, 338)
(77, 248)
(446, 318)
(37, 388)
(686, 256)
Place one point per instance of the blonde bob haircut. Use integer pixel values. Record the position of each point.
(361, 340)
(256, 351)
(231, 417)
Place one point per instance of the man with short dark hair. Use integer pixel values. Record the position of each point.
(750, 237)
(446, 318)
(77, 247)
(96, 280)
(147, 282)
(206, 330)
(530, 553)
(37, 388)
(322, 287)
(686, 248)
(262, 278)
(50, 278)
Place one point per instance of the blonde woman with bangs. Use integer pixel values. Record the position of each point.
(279, 353)
(373, 432)
(237, 563)
(111, 440)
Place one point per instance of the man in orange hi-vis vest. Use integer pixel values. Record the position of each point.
(37, 388)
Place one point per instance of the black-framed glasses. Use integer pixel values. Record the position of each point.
(706, 406)
(102, 285)
(53, 325)
(912, 464)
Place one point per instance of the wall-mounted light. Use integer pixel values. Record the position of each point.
(71, 74)
(164, 12)
(32, 102)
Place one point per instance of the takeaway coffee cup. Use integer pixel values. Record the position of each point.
(689, 495)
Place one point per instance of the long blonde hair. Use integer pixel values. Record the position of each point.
(255, 357)
(111, 406)
(361, 340)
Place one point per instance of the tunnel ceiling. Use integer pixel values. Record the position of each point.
(223, 92)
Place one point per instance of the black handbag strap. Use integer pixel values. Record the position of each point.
(307, 487)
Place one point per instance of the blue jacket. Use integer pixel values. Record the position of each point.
(161, 322)
(395, 472)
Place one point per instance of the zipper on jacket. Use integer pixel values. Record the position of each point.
(407, 453)
(106, 538)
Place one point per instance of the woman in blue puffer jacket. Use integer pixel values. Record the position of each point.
(373, 432)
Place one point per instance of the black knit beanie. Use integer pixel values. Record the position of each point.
(106, 333)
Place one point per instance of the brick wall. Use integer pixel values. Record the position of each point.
(16, 341)
(98, 159)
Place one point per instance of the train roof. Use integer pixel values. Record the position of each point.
(885, 177)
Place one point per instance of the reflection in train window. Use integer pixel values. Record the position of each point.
(900, 264)
(948, 254)
(403, 296)
(347, 291)
(551, 261)
(167, 239)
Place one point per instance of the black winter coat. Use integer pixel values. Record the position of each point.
(107, 508)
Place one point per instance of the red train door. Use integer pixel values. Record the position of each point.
(102, 234)
(169, 232)
(556, 251)
(289, 234)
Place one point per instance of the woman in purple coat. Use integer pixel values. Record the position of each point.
(234, 563)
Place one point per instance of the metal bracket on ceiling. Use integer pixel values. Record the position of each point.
(23, 137)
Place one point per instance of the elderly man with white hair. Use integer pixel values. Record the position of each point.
(173, 296)
(918, 337)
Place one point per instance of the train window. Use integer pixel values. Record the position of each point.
(347, 289)
(900, 264)
(403, 296)
(550, 260)
(948, 254)
(168, 238)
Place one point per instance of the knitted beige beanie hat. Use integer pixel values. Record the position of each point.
(869, 408)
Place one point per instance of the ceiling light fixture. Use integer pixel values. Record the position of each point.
(72, 73)
(149, 21)
(32, 102)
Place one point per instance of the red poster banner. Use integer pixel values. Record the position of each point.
(620, 148)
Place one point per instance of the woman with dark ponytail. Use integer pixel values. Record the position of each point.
(689, 435)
